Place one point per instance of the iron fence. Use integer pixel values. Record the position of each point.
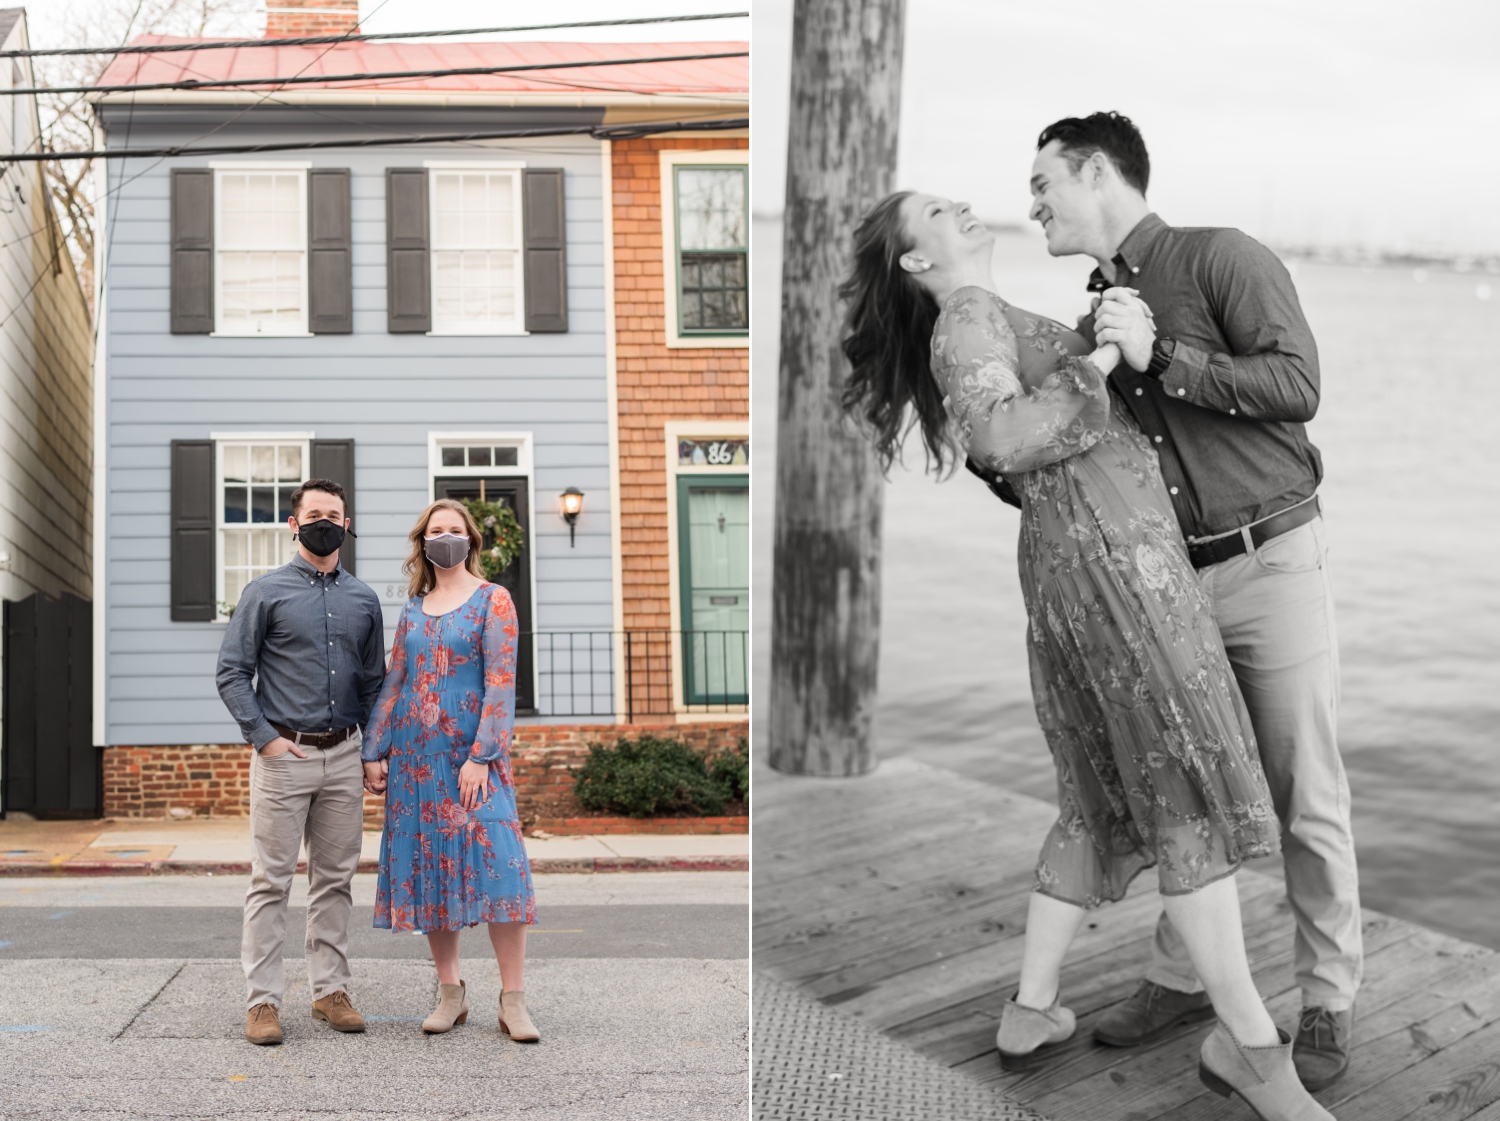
(663, 671)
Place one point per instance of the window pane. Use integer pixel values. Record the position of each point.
(262, 468)
(714, 295)
(262, 504)
(506, 457)
(479, 457)
(236, 463)
(711, 208)
(453, 457)
(475, 289)
(236, 504)
(235, 552)
(289, 463)
(283, 502)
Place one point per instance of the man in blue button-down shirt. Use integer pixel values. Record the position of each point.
(1221, 372)
(300, 668)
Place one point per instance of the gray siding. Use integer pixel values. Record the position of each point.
(384, 391)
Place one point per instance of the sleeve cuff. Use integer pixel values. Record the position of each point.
(1182, 377)
(262, 736)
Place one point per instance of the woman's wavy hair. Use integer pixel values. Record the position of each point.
(888, 339)
(418, 568)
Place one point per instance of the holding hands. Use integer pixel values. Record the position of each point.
(375, 775)
(1122, 317)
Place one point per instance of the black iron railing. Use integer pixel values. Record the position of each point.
(701, 671)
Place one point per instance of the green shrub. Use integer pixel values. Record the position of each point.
(731, 770)
(651, 776)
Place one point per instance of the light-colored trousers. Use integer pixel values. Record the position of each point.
(1274, 609)
(319, 799)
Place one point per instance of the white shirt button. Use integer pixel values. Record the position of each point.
(1158, 439)
(1173, 490)
(1182, 393)
(1138, 392)
(1135, 268)
(336, 671)
(1231, 412)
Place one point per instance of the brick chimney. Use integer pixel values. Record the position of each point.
(287, 19)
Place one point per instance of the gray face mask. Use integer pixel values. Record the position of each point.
(446, 550)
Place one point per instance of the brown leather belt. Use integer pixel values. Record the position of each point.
(310, 739)
(1233, 545)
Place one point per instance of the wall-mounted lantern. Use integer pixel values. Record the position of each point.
(572, 506)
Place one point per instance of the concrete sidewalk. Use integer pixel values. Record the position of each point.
(116, 846)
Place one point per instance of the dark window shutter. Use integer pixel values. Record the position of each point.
(334, 459)
(192, 251)
(545, 227)
(330, 276)
(193, 533)
(408, 305)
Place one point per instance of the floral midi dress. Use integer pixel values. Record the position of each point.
(449, 697)
(1155, 756)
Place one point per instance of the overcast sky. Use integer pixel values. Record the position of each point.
(1328, 122)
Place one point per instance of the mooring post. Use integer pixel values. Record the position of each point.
(841, 158)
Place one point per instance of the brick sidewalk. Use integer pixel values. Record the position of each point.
(113, 846)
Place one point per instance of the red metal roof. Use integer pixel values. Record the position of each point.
(709, 76)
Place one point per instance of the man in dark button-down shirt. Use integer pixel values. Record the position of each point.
(1222, 376)
(300, 668)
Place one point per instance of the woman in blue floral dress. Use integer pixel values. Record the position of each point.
(1155, 756)
(438, 745)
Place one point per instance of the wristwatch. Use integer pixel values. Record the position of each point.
(1161, 356)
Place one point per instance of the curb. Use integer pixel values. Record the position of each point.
(545, 864)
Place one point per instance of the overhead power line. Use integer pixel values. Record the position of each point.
(444, 72)
(319, 40)
(598, 132)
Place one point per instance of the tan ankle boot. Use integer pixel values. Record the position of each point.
(453, 1008)
(1263, 1076)
(263, 1025)
(338, 1012)
(513, 1018)
(1024, 1030)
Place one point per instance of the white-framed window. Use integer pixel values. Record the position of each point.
(255, 475)
(705, 247)
(260, 249)
(478, 283)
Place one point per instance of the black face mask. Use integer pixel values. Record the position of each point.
(321, 537)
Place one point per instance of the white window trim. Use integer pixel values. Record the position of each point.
(519, 329)
(220, 439)
(524, 466)
(670, 158)
(235, 167)
(675, 430)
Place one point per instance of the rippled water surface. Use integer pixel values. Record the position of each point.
(1411, 393)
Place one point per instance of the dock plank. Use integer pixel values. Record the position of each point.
(900, 898)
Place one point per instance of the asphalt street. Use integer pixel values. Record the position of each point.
(123, 998)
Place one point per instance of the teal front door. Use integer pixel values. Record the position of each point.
(713, 529)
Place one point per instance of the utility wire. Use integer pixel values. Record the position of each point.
(446, 72)
(319, 40)
(598, 132)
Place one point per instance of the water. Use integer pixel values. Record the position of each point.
(1411, 394)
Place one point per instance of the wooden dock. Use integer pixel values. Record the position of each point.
(900, 898)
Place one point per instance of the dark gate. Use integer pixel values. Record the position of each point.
(512, 490)
(51, 767)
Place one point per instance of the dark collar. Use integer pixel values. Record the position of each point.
(299, 562)
(1127, 259)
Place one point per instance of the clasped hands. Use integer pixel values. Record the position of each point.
(1122, 317)
(473, 781)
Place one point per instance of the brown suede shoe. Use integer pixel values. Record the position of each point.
(1152, 1012)
(1321, 1050)
(263, 1025)
(338, 1013)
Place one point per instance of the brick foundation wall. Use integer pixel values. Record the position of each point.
(213, 780)
(656, 383)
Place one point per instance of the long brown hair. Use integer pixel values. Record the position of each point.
(418, 568)
(888, 338)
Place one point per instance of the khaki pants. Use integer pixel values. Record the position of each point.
(1274, 608)
(320, 799)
